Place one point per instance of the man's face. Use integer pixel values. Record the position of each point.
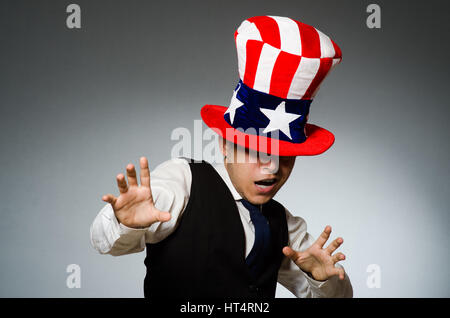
(255, 177)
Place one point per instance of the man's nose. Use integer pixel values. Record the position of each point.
(270, 165)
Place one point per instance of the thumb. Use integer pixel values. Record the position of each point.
(289, 252)
(109, 198)
(163, 216)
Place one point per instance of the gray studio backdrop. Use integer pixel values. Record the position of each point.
(77, 105)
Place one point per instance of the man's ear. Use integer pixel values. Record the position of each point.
(223, 146)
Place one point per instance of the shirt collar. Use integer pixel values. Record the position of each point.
(222, 171)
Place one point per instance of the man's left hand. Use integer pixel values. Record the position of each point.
(319, 261)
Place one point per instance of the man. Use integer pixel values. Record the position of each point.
(216, 231)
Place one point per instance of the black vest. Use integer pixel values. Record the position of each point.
(205, 256)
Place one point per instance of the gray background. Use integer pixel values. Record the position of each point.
(78, 105)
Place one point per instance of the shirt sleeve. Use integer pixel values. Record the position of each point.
(170, 183)
(300, 283)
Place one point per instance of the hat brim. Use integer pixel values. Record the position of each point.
(318, 139)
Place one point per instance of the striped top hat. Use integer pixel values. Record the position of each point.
(282, 63)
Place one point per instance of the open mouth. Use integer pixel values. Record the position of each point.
(266, 183)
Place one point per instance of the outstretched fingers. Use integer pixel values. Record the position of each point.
(321, 240)
(338, 257)
(131, 175)
(334, 245)
(145, 172)
(121, 183)
(339, 271)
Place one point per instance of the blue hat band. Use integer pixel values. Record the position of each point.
(267, 115)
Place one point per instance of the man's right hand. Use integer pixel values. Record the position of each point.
(135, 207)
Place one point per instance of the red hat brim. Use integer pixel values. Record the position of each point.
(318, 139)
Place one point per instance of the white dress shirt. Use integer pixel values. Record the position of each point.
(170, 185)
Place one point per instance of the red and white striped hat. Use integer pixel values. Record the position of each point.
(281, 63)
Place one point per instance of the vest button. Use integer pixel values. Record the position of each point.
(253, 288)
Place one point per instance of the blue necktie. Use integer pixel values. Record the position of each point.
(259, 255)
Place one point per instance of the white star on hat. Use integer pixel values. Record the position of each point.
(279, 119)
(235, 103)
